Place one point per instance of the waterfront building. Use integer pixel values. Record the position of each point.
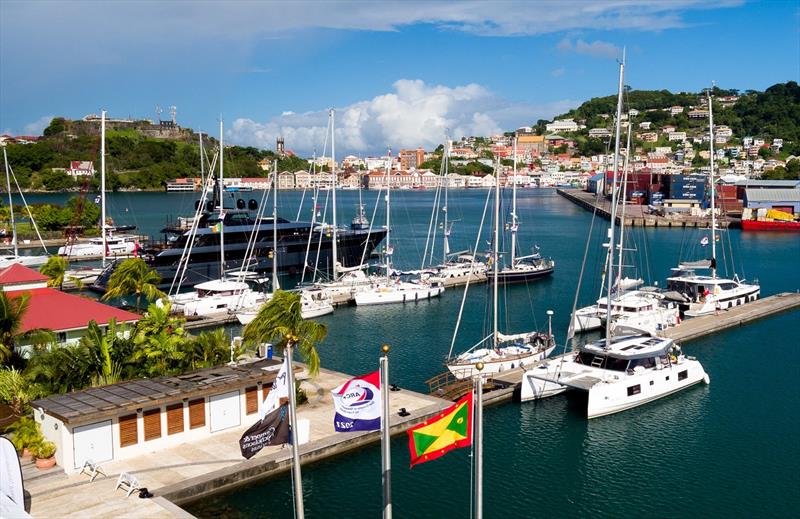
(411, 158)
(285, 180)
(80, 168)
(183, 184)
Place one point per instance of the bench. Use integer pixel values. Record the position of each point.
(127, 482)
(91, 468)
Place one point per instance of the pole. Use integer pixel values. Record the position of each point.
(298, 480)
(11, 204)
(334, 245)
(550, 323)
(221, 202)
(478, 439)
(610, 271)
(202, 166)
(388, 220)
(446, 233)
(713, 189)
(102, 182)
(496, 253)
(622, 211)
(275, 226)
(386, 456)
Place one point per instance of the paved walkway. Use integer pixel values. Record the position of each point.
(195, 468)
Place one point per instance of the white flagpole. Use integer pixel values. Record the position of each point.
(478, 441)
(386, 457)
(299, 511)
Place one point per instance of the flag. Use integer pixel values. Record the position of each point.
(273, 429)
(279, 389)
(450, 429)
(358, 404)
(704, 241)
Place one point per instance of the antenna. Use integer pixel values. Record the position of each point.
(173, 111)
(159, 111)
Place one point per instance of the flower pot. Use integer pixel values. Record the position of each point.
(26, 454)
(45, 463)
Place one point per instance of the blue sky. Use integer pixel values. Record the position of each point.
(398, 73)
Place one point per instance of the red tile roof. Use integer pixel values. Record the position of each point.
(17, 273)
(55, 310)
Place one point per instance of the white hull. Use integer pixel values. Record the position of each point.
(610, 392)
(311, 308)
(396, 293)
(28, 261)
(741, 295)
(458, 275)
(587, 319)
(497, 365)
(93, 250)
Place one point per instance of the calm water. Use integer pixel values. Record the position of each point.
(728, 449)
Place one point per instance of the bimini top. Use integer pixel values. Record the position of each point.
(630, 347)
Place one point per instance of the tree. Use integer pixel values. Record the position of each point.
(280, 321)
(210, 348)
(100, 345)
(159, 342)
(56, 270)
(133, 277)
(57, 125)
(12, 312)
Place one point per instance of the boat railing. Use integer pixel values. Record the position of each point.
(450, 387)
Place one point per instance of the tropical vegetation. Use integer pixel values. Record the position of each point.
(134, 277)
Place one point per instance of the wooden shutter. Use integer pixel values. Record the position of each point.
(175, 418)
(128, 430)
(197, 413)
(251, 400)
(152, 424)
(265, 391)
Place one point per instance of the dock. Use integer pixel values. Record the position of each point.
(636, 215)
(195, 469)
(500, 387)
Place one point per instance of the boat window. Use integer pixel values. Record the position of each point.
(727, 286)
(683, 375)
(634, 390)
(647, 363)
(616, 364)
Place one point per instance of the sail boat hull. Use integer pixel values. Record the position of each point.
(522, 275)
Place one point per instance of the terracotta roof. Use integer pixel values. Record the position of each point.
(17, 273)
(58, 311)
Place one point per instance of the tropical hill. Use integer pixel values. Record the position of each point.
(137, 157)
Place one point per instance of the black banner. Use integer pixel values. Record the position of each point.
(273, 429)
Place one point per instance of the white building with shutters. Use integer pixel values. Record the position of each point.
(137, 417)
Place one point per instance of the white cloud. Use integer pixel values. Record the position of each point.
(413, 114)
(598, 48)
(558, 72)
(37, 127)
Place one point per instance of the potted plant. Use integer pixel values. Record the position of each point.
(44, 452)
(26, 434)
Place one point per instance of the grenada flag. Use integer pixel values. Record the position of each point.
(450, 429)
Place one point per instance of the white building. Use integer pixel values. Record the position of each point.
(562, 125)
(676, 136)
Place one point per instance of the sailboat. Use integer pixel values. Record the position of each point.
(456, 268)
(15, 258)
(617, 373)
(632, 309)
(498, 351)
(705, 294)
(386, 289)
(522, 268)
(107, 245)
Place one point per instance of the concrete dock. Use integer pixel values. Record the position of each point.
(636, 215)
(195, 469)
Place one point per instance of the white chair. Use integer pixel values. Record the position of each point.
(91, 468)
(127, 480)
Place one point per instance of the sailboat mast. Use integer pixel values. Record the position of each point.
(334, 247)
(388, 219)
(609, 304)
(221, 201)
(496, 253)
(622, 212)
(446, 230)
(102, 183)
(275, 227)
(202, 166)
(713, 189)
(514, 207)
(11, 205)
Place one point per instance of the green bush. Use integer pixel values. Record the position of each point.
(25, 433)
(43, 450)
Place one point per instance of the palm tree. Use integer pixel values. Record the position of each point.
(280, 322)
(56, 270)
(159, 342)
(12, 313)
(209, 349)
(100, 345)
(134, 277)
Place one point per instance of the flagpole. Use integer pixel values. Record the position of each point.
(298, 481)
(386, 457)
(478, 441)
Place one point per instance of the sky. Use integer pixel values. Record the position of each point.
(399, 74)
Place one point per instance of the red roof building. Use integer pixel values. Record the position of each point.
(66, 314)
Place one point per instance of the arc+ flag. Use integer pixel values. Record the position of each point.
(358, 404)
(450, 429)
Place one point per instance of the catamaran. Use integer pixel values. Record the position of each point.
(705, 294)
(498, 351)
(619, 372)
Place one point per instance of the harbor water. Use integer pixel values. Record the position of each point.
(729, 449)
